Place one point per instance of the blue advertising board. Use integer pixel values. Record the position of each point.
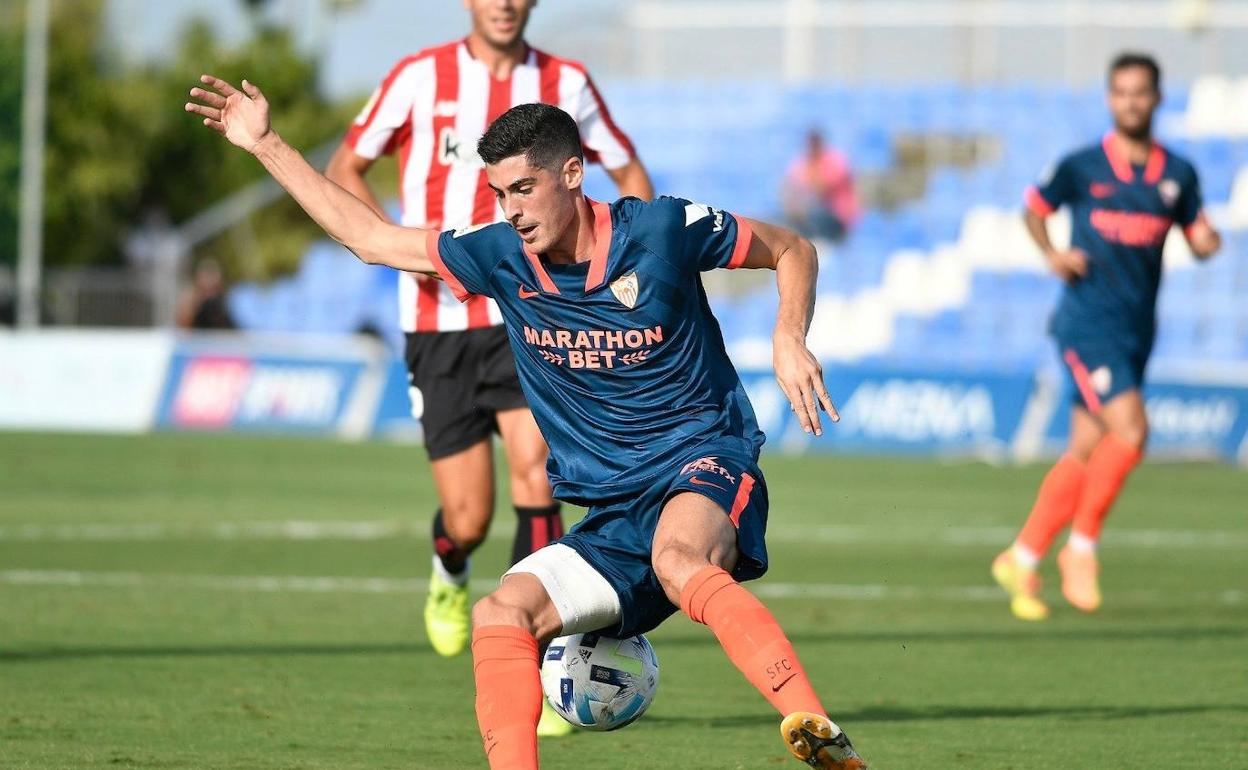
(902, 411)
(1186, 420)
(215, 390)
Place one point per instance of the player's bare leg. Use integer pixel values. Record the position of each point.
(465, 484)
(1014, 569)
(1110, 461)
(695, 546)
(509, 627)
(538, 521)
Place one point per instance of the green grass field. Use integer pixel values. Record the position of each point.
(159, 610)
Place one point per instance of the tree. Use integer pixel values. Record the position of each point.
(120, 149)
(10, 131)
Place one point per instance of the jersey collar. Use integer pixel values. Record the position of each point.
(1122, 166)
(598, 262)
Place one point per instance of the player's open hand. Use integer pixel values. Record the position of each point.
(241, 116)
(1203, 239)
(801, 378)
(1069, 264)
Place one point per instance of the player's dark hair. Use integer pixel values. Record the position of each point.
(547, 136)
(1129, 59)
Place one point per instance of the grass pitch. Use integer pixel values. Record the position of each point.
(211, 602)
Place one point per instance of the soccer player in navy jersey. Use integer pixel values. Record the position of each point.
(1124, 193)
(625, 370)
(429, 112)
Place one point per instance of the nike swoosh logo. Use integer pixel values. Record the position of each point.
(525, 293)
(697, 482)
(776, 688)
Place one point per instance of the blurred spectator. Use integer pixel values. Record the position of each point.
(204, 305)
(818, 192)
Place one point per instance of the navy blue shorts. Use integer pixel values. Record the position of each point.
(1101, 369)
(616, 537)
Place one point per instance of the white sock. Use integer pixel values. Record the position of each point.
(459, 580)
(1081, 543)
(1026, 558)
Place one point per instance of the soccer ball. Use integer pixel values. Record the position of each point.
(598, 682)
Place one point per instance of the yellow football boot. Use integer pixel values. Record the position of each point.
(817, 741)
(551, 724)
(1079, 578)
(1023, 586)
(447, 618)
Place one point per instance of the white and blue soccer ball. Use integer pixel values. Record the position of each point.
(598, 682)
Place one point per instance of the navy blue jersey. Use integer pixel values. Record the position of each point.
(1120, 216)
(620, 358)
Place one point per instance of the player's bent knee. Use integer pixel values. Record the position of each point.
(1135, 435)
(674, 564)
(467, 522)
(522, 602)
(529, 480)
(494, 610)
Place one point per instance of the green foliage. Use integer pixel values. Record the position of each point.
(119, 146)
(10, 133)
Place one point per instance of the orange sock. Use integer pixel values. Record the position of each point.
(752, 638)
(1055, 505)
(1108, 467)
(509, 695)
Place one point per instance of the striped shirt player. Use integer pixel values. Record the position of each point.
(429, 112)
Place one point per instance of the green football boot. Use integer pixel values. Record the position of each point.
(447, 616)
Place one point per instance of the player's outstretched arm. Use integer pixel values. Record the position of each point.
(797, 370)
(242, 117)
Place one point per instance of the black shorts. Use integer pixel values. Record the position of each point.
(464, 379)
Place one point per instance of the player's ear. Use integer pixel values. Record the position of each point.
(573, 173)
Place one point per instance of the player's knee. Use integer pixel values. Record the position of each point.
(1135, 434)
(529, 480)
(467, 521)
(494, 610)
(674, 563)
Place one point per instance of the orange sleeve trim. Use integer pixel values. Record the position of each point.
(1036, 202)
(457, 288)
(1190, 227)
(744, 236)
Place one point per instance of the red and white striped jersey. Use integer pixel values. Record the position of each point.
(430, 111)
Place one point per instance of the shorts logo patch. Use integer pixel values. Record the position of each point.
(697, 482)
(626, 289)
(708, 465)
(1102, 379)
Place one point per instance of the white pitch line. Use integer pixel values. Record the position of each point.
(779, 533)
(358, 585)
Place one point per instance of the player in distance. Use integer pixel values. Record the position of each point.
(625, 369)
(1124, 194)
(429, 112)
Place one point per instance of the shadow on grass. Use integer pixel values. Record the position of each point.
(1022, 634)
(941, 713)
(210, 651)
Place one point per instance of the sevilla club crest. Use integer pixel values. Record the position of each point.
(625, 289)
